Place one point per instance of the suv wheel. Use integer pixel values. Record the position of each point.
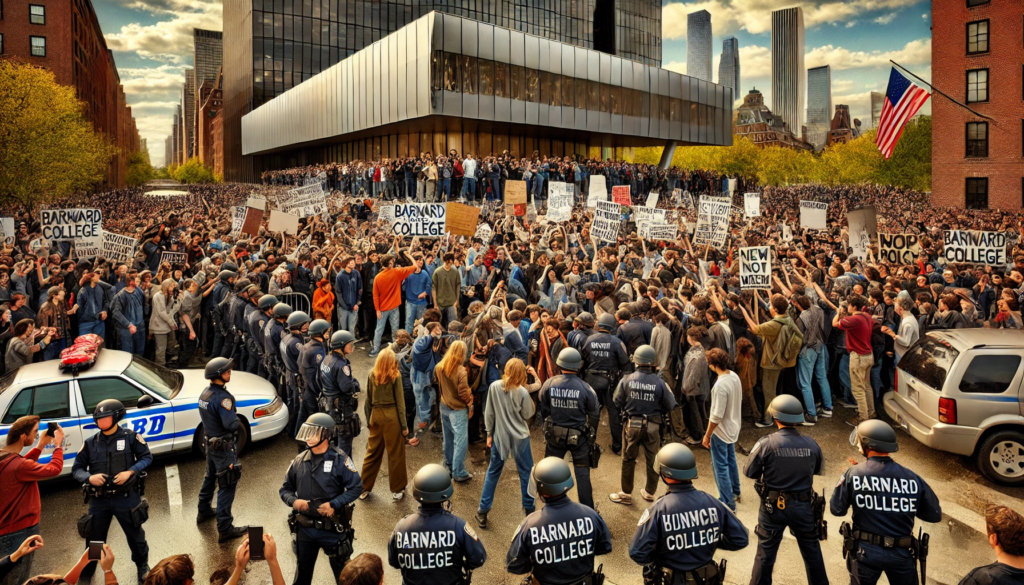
(1001, 458)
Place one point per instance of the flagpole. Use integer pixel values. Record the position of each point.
(942, 93)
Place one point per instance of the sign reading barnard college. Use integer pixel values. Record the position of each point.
(71, 224)
(419, 219)
(969, 247)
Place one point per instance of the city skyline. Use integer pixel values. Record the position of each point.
(789, 76)
(729, 66)
(819, 104)
(699, 48)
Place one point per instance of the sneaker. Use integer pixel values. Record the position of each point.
(372, 354)
(464, 478)
(825, 413)
(763, 424)
(809, 420)
(846, 404)
(397, 495)
(621, 498)
(481, 519)
(646, 496)
(364, 495)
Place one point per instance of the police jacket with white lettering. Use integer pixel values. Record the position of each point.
(885, 497)
(122, 450)
(787, 460)
(337, 382)
(257, 320)
(644, 393)
(272, 333)
(217, 411)
(603, 352)
(433, 546)
(289, 349)
(558, 543)
(636, 332)
(312, 354)
(569, 401)
(330, 478)
(684, 528)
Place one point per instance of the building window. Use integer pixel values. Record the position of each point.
(977, 37)
(36, 14)
(971, 3)
(977, 139)
(976, 196)
(977, 85)
(38, 46)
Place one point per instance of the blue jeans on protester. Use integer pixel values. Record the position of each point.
(524, 463)
(727, 474)
(347, 320)
(385, 316)
(136, 343)
(876, 379)
(9, 544)
(455, 426)
(444, 188)
(469, 187)
(424, 396)
(413, 312)
(495, 189)
(53, 350)
(844, 379)
(813, 365)
(97, 327)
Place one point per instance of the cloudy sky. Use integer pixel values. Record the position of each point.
(152, 44)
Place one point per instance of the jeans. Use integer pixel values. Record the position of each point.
(136, 343)
(448, 315)
(410, 188)
(524, 463)
(10, 543)
(444, 188)
(469, 186)
(876, 379)
(495, 189)
(385, 316)
(424, 395)
(413, 312)
(347, 320)
(53, 350)
(727, 474)
(97, 327)
(814, 365)
(454, 425)
(844, 378)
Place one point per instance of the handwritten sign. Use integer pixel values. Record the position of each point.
(175, 258)
(755, 268)
(462, 219)
(598, 191)
(118, 248)
(712, 221)
(974, 247)
(515, 192)
(607, 220)
(813, 215)
(897, 249)
(620, 195)
(419, 219)
(752, 204)
(559, 202)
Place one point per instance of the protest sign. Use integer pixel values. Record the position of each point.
(253, 218)
(652, 199)
(732, 187)
(863, 227)
(712, 221)
(462, 219)
(175, 258)
(755, 268)
(813, 215)
(515, 192)
(687, 200)
(607, 219)
(7, 230)
(256, 201)
(649, 215)
(974, 247)
(752, 204)
(658, 231)
(237, 220)
(484, 233)
(620, 195)
(559, 202)
(419, 219)
(88, 247)
(898, 249)
(787, 233)
(303, 201)
(283, 222)
(386, 213)
(598, 190)
(118, 248)
(71, 224)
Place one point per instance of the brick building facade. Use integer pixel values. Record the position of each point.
(209, 149)
(977, 57)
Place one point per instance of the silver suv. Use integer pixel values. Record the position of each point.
(962, 391)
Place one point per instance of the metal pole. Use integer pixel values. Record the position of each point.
(666, 155)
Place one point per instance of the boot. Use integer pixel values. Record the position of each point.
(481, 519)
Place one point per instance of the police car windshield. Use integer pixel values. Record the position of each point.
(159, 379)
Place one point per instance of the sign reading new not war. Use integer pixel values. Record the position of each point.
(419, 219)
(898, 249)
(620, 195)
(303, 201)
(607, 218)
(118, 248)
(752, 204)
(971, 247)
(559, 202)
(813, 215)
(755, 268)
(712, 221)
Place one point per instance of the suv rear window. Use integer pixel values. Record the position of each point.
(990, 374)
(929, 361)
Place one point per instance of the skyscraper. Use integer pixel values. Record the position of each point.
(788, 73)
(698, 45)
(168, 150)
(188, 113)
(819, 104)
(207, 47)
(877, 101)
(729, 66)
(176, 132)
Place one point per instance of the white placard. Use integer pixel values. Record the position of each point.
(303, 201)
(974, 247)
(419, 219)
(649, 215)
(607, 220)
(386, 213)
(598, 191)
(237, 220)
(652, 199)
(787, 233)
(559, 202)
(484, 233)
(658, 231)
(7, 230)
(256, 201)
(283, 222)
(732, 187)
(118, 248)
(752, 204)
(712, 221)
(898, 249)
(72, 224)
(813, 215)
(755, 268)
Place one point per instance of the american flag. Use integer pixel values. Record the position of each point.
(902, 100)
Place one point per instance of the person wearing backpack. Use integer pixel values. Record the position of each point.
(858, 325)
(781, 342)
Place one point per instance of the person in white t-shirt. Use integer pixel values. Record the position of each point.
(724, 427)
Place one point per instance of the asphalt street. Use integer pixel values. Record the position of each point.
(957, 543)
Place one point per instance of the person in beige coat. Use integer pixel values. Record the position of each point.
(166, 304)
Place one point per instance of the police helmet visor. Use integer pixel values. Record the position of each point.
(531, 486)
(854, 440)
(308, 433)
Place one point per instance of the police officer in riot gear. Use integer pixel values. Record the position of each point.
(783, 465)
(256, 321)
(220, 291)
(321, 487)
(885, 497)
(292, 339)
(310, 357)
(571, 413)
(221, 428)
(558, 543)
(111, 468)
(341, 389)
(677, 537)
(645, 402)
(234, 315)
(606, 357)
(434, 546)
(272, 332)
(252, 361)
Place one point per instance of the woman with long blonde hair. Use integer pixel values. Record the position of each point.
(385, 419)
(456, 408)
(506, 412)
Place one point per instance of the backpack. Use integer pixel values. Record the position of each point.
(788, 345)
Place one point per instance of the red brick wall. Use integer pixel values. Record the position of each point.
(16, 29)
(1004, 165)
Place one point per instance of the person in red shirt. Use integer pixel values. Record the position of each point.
(387, 293)
(857, 325)
(20, 506)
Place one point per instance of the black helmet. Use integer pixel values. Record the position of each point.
(876, 435)
(786, 409)
(216, 367)
(319, 327)
(340, 339)
(281, 311)
(606, 323)
(676, 461)
(242, 284)
(432, 484)
(296, 319)
(315, 427)
(229, 265)
(267, 302)
(569, 359)
(645, 356)
(108, 407)
(226, 275)
(551, 477)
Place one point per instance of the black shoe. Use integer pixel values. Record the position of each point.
(205, 515)
(143, 570)
(481, 519)
(463, 479)
(233, 533)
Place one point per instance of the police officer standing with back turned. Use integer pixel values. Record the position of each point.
(677, 537)
(257, 320)
(310, 357)
(885, 497)
(783, 465)
(289, 348)
(221, 427)
(111, 468)
(571, 413)
(606, 357)
(252, 361)
(341, 389)
(645, 402)
(558, 543)
(272, 332)
(434, 546)
(321, 487)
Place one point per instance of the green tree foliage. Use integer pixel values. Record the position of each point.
(139, 169)
(48, 147)
(193, 171)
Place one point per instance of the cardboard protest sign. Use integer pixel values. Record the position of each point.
(89, 247)
(620, 195)
(598, 191)
(386, 213)
(256, 201)
(253, 218)
(303, 201)
(607, 220)
(283, 222)
(118, 248)
(515, 192)
(652, 199)
(462, 219)
(974, 247)
(898, 249)
(175, 258)
(419, 219)
(755, 268)
(7, 230)
(863, 227)
(559, 202)
(658, 231)
(752, 204)
(712, 221)
(649, 215)
(484, 233)
(237, 220)
(71, 224)
(687, 200)
(813, 215)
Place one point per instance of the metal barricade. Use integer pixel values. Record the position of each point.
(298, 302)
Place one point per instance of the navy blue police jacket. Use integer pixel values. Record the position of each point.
(433, 547)
(569, 401)
(329, 478)
(122, 450)
(311, 356)
(644, 393)
(217, 411)
(558, 543)
(885, 497)
(337, 382)
(603, 352)
(787, 460)
(289, 349)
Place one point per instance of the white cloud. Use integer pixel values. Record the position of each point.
(924, 16)
(755, 62)
(166, 40)
(677, 66)
(917, 52)
(886, 18)
(851, 24)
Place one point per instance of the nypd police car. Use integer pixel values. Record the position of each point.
(162, 404)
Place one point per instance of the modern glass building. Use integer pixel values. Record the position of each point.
(729, 65)
(819, 104)
(207, 47)
(698, 45)
(788, 74)
(188, 111)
